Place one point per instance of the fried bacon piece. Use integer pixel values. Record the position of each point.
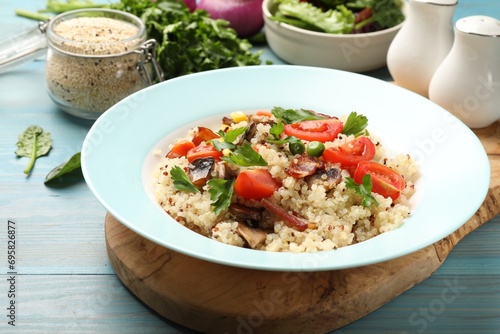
(302, 166)
(289, 219)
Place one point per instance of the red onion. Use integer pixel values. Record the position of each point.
(244, 16)
(191, 4)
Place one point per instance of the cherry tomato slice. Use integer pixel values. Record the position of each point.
(385, 181)
(255, 184)
(350, 154)
(203, 151)
(180, 149)
(316, 130)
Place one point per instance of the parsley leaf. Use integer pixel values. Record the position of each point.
(364, 189)
(276, 130)
(228, 137)
(290, 116)
(355, 124)
(245, 156)
(221, 193)
(181, 180)
(189, 42)
(232, 134)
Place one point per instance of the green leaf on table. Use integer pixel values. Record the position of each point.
(64, 168)
(33, 143)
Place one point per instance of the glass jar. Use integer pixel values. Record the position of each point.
(95, 58)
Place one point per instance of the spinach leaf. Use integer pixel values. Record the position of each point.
(33, 143)
(364, 189)
(67, 167)
(221, 193)
(182, 181)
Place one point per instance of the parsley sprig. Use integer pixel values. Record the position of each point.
(355, 125)
(245, 156)
(290, 116)
(364, 189)
(182, 181)
(221, 193)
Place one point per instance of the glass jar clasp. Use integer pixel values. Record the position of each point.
(147, 52)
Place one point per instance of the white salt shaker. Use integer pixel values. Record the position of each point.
(422, 43)
(467, 83)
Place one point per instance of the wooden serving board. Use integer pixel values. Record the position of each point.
(214, 298)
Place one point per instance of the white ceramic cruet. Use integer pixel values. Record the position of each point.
(422, 43)
(467, 83)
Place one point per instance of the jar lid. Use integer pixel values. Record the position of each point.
(479, 25)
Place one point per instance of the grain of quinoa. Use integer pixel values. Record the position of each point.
(96, 81)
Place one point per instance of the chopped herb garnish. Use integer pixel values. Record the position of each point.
(221, 193)
(355, 124)
(232, 134)
(276, 130)
(245, 156)
(364, 189)
(181, 180)
(289, 116)
(228, 138)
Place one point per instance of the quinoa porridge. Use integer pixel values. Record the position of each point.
(285, 180)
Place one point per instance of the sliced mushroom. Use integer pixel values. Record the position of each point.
(253, 236)
(302, 166)
(250, 131)
(328, 178)
(245, 213)
(200, 171)
(223, 171)
(227, 121)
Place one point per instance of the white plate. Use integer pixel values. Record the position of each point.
(454, 166)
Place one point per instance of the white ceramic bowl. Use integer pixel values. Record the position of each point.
(119, 156)
(355, 52)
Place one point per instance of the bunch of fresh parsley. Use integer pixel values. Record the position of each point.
(190, 42)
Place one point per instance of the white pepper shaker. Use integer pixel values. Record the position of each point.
(422, 43)
(467, 83)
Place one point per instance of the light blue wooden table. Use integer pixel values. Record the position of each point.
(64, 282)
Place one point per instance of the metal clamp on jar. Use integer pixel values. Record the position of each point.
(94, 58)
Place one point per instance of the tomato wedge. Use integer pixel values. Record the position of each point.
(316, 130)
(385, 181)
(203, 151)
(255, 184)
(180, 149)
(350, 154)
